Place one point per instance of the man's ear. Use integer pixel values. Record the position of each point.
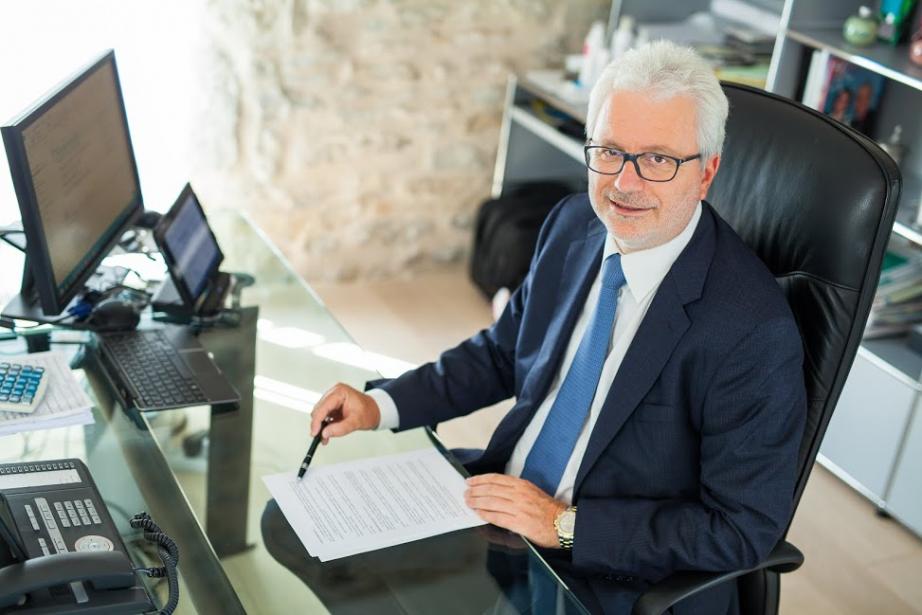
(707, 177)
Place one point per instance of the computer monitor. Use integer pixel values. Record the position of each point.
(76, 180)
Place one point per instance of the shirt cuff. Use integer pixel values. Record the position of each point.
(390, 419)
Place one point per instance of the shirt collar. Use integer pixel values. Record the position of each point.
(645, 269)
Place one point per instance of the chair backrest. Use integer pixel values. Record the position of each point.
(816, 201)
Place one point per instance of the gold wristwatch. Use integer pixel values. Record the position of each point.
(565, 524)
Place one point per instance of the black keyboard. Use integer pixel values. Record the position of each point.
(152, 368)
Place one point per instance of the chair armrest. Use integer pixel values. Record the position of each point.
(785, 557)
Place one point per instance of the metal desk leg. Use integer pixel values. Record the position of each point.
(230, 437)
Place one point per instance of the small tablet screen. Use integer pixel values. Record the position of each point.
(193, 248)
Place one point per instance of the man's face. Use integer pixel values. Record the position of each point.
(641, 214)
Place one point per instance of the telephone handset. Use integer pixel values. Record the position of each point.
(60, 551)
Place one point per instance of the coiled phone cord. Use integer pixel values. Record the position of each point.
(169, 555)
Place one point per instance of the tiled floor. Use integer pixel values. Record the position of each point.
(856, 562)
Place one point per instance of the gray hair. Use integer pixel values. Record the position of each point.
(665, 69)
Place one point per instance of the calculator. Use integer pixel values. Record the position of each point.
(21, 386)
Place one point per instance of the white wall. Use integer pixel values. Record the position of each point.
(359, 134)
(43, 42)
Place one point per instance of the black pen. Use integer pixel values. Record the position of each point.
(313, 448)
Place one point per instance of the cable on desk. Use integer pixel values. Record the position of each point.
(169, 555)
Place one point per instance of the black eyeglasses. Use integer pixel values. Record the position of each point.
(650, 166)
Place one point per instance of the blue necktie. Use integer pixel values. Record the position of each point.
(548, 457)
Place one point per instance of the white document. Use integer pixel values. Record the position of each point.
(358, 506)
(65, 402)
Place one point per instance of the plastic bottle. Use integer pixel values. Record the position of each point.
(894, 145)
(623, 38)
(594, 43)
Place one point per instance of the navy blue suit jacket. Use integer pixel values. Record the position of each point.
(691, 464)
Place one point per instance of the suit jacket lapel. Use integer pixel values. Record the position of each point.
(660, 331)
(663, 326)
(581, 266)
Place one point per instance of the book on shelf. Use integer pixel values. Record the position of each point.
(846, 92)
(816, 75)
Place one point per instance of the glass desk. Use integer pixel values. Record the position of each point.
(198, 471)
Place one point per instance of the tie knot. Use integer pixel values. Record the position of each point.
(612, 273)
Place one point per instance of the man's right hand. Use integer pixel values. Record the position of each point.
(349, 408)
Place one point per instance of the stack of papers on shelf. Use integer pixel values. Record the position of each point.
(898, 303)
(65, 402)
(553, 82)
(358, 506)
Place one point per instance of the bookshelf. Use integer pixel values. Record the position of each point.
(874, 441)
(891, 62)
(531, 147)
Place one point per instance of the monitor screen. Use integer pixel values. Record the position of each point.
(76, 180)
(192, 247)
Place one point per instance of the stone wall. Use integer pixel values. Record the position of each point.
(361, 134)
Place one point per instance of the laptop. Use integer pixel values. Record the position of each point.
(195, 286)
(167, 367)
(161, 369)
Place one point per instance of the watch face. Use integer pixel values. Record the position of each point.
(568, 522)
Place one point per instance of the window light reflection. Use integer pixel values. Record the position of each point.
(284, 394)
(350, 354)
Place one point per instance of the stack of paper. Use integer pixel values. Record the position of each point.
(65, 402)
(349, 508)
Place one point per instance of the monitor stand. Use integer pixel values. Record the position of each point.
(167, 299)
(26, 305)
(21, 307)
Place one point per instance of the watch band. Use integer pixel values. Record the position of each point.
(565, 539)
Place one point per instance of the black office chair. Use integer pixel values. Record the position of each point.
(816, 201)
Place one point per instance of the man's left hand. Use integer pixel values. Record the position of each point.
(516, 505)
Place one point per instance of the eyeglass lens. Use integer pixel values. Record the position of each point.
(650, 165)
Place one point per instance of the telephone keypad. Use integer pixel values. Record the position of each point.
(81, 510)
(70, 513)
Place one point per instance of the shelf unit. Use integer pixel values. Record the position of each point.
(891, 62)
(874, 441)
(531, 148)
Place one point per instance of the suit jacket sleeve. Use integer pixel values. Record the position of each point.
(751, 428)
(476, 373)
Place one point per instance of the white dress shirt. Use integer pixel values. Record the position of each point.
(643, 271)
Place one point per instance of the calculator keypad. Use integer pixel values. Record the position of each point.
(21, 386)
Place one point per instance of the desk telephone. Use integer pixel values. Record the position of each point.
(60, 551)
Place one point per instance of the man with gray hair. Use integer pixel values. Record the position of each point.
(656, 366)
